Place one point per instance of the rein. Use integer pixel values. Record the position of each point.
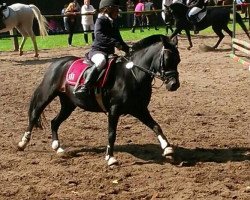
(164, 75)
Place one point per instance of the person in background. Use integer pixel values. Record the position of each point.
(130, 16)
(138, 16)
(77, 5)
(87, 12)
(150, 16)
(71, 13)
(65, 19)
(3, 6)
(107, 37)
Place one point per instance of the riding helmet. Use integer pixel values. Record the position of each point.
(107, 3)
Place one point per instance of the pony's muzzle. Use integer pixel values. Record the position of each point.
(171, 80)
(172, 84)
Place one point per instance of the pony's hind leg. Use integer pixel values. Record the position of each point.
(228, 31)
(33, 38)
(67, 107)
(39, 101)
(24, 38)
(218, 32)
(145, 117)
(25, 32)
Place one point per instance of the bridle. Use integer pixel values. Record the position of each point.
(163, 75)
(166, 75)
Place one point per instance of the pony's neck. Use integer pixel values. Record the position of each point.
(144, 59)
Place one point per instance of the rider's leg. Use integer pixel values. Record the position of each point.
(193, 18)
(93, 73)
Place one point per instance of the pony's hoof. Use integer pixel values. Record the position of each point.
(20, 53)
(36, 55)
(61, 153)
(111, 160)
(21, 146)
(168, 153)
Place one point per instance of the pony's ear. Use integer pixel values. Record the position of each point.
(175, 41)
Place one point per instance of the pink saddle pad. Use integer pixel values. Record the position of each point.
(75, 70)
(78, 67)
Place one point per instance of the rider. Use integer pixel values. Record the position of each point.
(195, 6)
(3, 6)
(107, 37)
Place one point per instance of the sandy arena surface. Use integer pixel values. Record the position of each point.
(207, 120)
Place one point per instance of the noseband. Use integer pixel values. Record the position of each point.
(166, 75)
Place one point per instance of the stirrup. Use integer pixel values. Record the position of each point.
(81, 90)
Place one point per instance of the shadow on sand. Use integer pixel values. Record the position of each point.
(151, 153)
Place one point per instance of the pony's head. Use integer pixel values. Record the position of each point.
(169, 60)
(161, 56)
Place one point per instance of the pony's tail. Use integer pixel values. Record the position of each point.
(34, 118)
(42, 22)
(241, 23)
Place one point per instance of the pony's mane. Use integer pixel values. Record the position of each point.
(145, 42)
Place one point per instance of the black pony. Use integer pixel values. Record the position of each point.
(217, 17)
(127, 91)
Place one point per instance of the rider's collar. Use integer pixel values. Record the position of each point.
(106, 15)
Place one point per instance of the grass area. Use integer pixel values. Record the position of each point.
(60, 41)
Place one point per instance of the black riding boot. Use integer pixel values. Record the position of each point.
(91, 78)
(194, 22)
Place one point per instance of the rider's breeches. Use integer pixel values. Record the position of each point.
(194, 11)
(99, 60)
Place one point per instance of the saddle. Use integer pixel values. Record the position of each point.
(76, 72)
(199, 16)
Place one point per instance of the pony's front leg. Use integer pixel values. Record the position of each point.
(24, 38)
(67, 107)
(112, 126)
(175, 33)
(33, 38)
(24, 141)
(145, 117)
(189, 39)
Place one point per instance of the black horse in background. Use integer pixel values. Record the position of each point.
(127, 91)
(217, 17)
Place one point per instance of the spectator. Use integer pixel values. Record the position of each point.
(77, 5)
(87, 20)
(130, 16)
(150, 16)
(65, 19)
(71, 12)
(138, 16)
